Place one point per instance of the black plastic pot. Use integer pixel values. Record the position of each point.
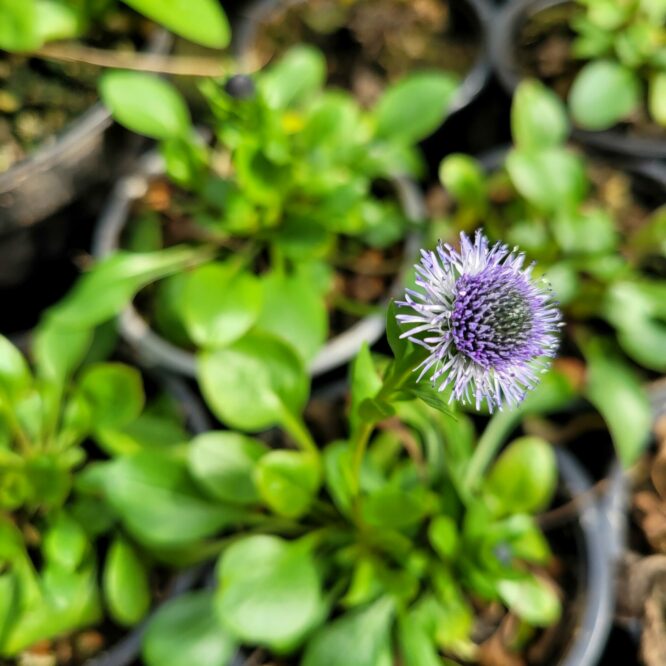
(154, 351)
(88, 151)
(503, 48)
(616, 504)
(478, 13)
(126, 651)
(63, 167)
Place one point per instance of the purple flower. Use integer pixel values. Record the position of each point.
(489, 326)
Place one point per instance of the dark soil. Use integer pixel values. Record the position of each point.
(369, 43)
(544, 51)
(39, 97)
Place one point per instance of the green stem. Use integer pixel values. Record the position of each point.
(360, 446)
(392, 382)
(24, 444)
(295, 426)
(496, 432)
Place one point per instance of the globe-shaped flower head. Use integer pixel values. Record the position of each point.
(489, 326)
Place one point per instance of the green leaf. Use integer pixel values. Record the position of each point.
(269, 592)
(551, 179)
(638, 311)
(524, 477)
(613, 388)
(365, 384)
(58, 349)
(50, 482)
(299, 73)
(125, 582)
(15, 377)
(334, 124)
(363, 633)
(63, 601)
(532, 599)
(657, 98)
(57, 20)
(365, 584)
(147, 432)
(443, 536)
(114, 392)
(65, 542)
(145, 104)
(295, 310)
(453, 617)
(399, 346)
(603, 93)
(18, 25)
(8, 602)
(251, 384)
(200, 21)
(416, 647)
(337, 474)
(223, 464)
(186, 631)
(415, 107)
(109, 286)
(590, 231)
(288, 481)
(220, 304)
(463, 177)
(158, 502)
(538, 117)
(393, 508)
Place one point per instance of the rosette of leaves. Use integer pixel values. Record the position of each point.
(377, 542)
(603, 267)
(57, 420)
(296, 181)
(624, 45)
(27, 25)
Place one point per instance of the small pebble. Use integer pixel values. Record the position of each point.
(240, 87)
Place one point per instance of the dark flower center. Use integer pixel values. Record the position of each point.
(492, 317)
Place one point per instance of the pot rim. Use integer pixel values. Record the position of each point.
(471, 85)
(154, 350)
(503, 51)
(652, 170)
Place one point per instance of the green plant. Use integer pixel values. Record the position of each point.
(624, 42)
(27, 25)
(373, 545)
(298, 180)
(543, 198)
(56, 422)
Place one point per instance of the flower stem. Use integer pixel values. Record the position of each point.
(392, 382)
(497, 430)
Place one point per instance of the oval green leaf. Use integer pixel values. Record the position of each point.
(125, 583)
(186, 631)
(251, 383)
(200, 21)
(269, 591)
(603, 93)
(223, 464)
(145, 104)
